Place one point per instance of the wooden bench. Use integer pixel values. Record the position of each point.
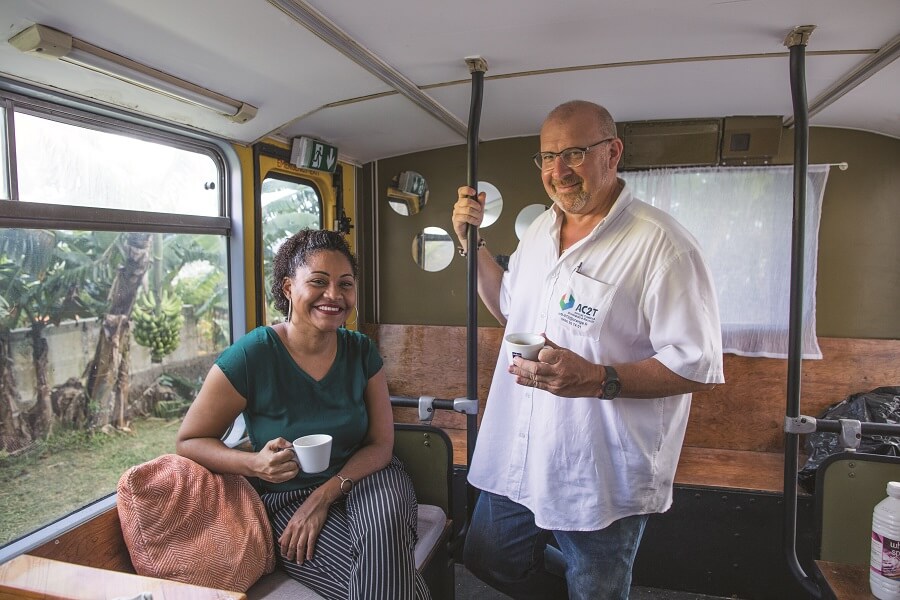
(29, 576)
(735, 435)
(97, 549)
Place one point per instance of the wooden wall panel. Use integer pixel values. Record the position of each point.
(98, 543)
(430, 360)
(745, 413)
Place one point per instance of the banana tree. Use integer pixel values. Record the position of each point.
(109, 373)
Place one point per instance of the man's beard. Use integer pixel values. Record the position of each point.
(572, 202)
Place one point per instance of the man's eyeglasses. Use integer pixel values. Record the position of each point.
(571, 157)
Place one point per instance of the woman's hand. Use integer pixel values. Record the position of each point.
(275, 462)
(298, 540)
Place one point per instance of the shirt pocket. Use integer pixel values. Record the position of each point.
(584, 306)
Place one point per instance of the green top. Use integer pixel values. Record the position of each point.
(285, 401)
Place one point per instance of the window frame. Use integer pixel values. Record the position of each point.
(18, 96)
(36, 214)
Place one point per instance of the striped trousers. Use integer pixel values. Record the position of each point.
(365, 549)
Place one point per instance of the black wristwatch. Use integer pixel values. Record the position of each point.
(611, 385)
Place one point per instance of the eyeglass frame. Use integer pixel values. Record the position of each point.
(538, 157)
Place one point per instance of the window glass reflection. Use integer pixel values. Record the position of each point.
(493, 203)
(408, 193)
(526, 216)
(433, 249)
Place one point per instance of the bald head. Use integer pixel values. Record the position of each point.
(583, 108)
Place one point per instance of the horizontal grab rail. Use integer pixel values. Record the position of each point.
(849, 430)
(835, 426)
(428, 404)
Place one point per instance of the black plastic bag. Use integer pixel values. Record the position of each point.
(881, 405)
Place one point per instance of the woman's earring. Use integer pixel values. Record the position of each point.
(354, 323)
(290, 309)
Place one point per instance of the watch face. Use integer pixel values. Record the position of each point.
(611, 389)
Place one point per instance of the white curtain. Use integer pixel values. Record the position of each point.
(742, 217)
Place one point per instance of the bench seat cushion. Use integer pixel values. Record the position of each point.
(279, 586)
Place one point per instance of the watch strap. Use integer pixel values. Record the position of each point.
(611, 385)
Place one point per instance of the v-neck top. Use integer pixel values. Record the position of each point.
(283, 400)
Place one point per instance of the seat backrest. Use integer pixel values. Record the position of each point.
(848, 486)
(427, 454)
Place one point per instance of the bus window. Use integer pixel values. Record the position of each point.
(288, 205)
(59, 163)
(114, 302)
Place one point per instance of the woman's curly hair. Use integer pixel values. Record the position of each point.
(296, 250)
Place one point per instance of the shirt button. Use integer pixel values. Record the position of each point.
(521, 435)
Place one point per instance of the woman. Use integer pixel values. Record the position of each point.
(349, 531)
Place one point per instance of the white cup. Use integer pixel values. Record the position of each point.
(526, 345)
(313, 452)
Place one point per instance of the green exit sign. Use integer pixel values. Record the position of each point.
(308, 153)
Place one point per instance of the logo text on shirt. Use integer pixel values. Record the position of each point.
(576, 314)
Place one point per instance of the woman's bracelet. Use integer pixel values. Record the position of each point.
(463, 252)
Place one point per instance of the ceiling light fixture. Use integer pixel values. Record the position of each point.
(40, 40)
(316, 22)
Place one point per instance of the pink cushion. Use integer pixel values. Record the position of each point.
(185, 523)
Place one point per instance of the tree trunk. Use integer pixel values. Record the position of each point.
(14, 431)
(107, 368)
(41, 414)
(70, 404)
(109, 372)
(123, 381)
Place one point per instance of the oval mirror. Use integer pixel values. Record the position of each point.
(408, 193)
(526, 216)
(433, 249)
(493, 203)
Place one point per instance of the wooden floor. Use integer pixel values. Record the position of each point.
(736, 469)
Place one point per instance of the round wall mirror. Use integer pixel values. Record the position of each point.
(408, 193)
(433, 249)
(526, 216)
(493, 202)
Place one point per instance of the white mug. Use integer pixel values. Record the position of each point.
(526, 345)
(313, 452)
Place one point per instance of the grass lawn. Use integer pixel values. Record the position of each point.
(72, 470)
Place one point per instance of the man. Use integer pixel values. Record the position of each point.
(581, 445)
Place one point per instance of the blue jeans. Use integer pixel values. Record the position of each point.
(505, 549)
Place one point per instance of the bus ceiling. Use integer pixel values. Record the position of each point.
(378, 80)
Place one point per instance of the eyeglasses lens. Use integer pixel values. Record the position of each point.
(571, 158)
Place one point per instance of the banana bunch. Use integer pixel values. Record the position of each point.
(157, 325)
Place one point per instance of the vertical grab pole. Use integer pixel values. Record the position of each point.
(477, 67)
(796, 41)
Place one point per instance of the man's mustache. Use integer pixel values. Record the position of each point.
(567, 181)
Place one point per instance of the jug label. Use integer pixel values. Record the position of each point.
(889, 551)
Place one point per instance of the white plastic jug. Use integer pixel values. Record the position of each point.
(884, 571)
